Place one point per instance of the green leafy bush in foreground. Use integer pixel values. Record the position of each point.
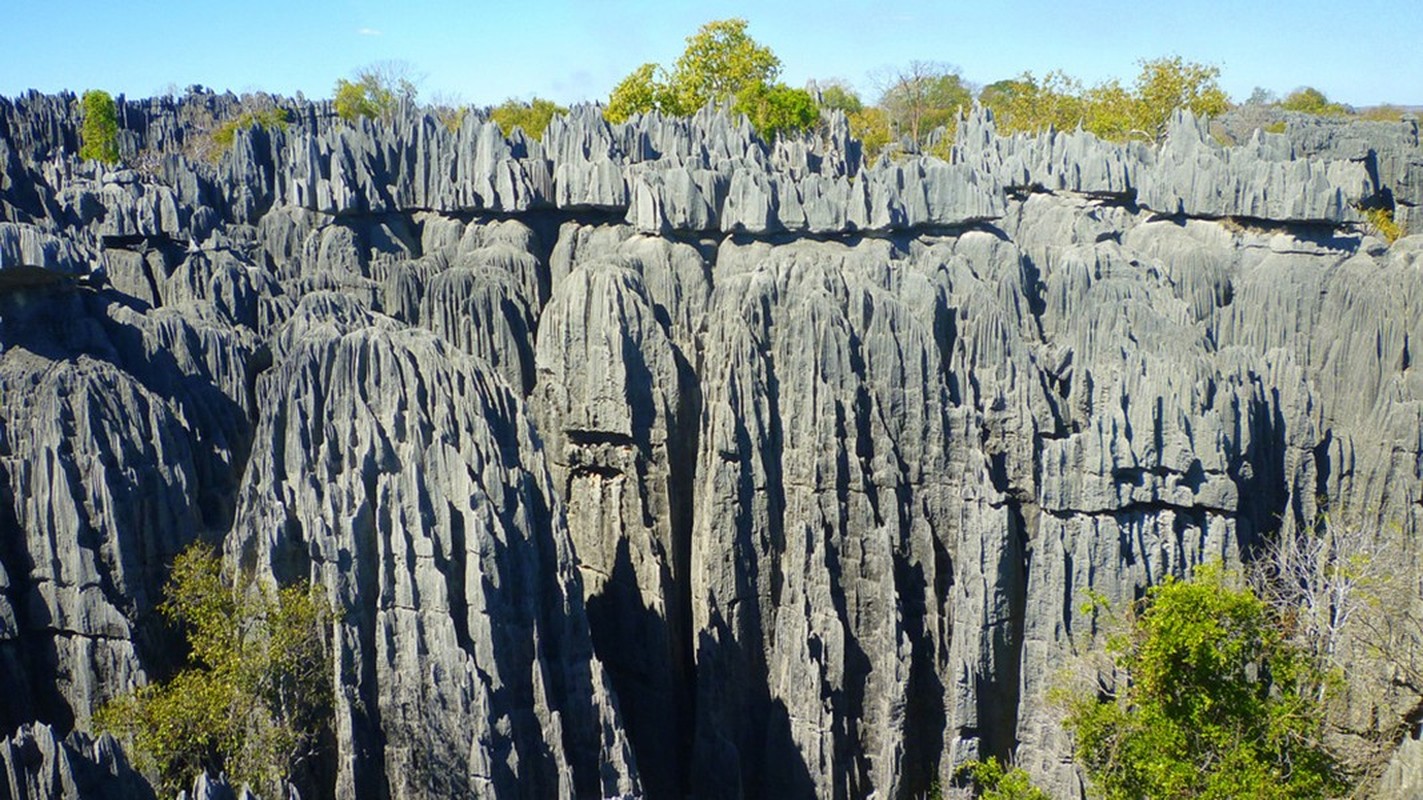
(254, 701)
(1212, 701)
(993, 781)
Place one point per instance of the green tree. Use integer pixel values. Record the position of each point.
(1108, 109)
(1166, 84)
(923, 96)
(871, 126)
(994, 782)
(1028, 104)
(255, 699)
(270, 118)
(1309, 100)
(638, 93)
(721, 64)
(836, 95)
(99, 133)
(1111, 111)
(776, 108)
(376, 92)
(1211, 701)
(721, 60)
(532, 116)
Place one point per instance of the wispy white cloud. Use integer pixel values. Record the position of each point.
(367, 32)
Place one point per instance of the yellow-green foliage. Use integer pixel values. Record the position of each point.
(776, 108)
(1109, 109)
(1212, 700)
(99, 133)
(533, 116)
(1381, 222)
(270, 118)
(836, 95)
(1309, 100)
(871, 126)
(255, 697)
(721, 63)
(375, 93)
(1027, 104)
(452, 117)
(1166, 84)
(638, 93)
(1383, 113)
(1276, 127)
(993, 782)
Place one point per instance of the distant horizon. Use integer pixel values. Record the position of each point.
(483, 53)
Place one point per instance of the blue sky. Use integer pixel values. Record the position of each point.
(1360, 51)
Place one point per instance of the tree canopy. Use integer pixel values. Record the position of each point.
(533, 117)
(376, 92)
(924, 96)
(1211, 701)
(1108, 109)
(99, 132)
(254, 700)
(836, 95)
(721, 64)
(1309, 100)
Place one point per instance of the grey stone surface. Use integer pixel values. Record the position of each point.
(1195, 176)
(1057, 161)
(38, 764)
(404, 477)
(29, 255)
(652, 458)
(617, 410)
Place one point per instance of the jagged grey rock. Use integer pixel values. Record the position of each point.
(403, 477)
(1193, 175)
(37, 764)
(618, 421)
(817, 459)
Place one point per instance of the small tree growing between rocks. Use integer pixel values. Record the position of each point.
(254, 702)
(377, 91)
(721, 64)
(99, 133)
(532, 117)
(1211, 700)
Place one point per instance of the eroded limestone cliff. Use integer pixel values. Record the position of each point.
(651, 459)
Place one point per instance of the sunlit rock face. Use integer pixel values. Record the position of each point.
(653, 460)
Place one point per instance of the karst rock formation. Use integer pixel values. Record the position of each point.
(651, 459)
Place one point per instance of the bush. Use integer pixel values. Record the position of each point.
(99, 133)
(1383, 113)
(993, 782)
(1109, 109)
(1309, 100)
(1212, 700)
(776, 108)
(533, 116)
(1380, 221)
(836, 95)
(871, 126)
(376, 92)
(719, 63)
(254, 701)
(270, 118)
